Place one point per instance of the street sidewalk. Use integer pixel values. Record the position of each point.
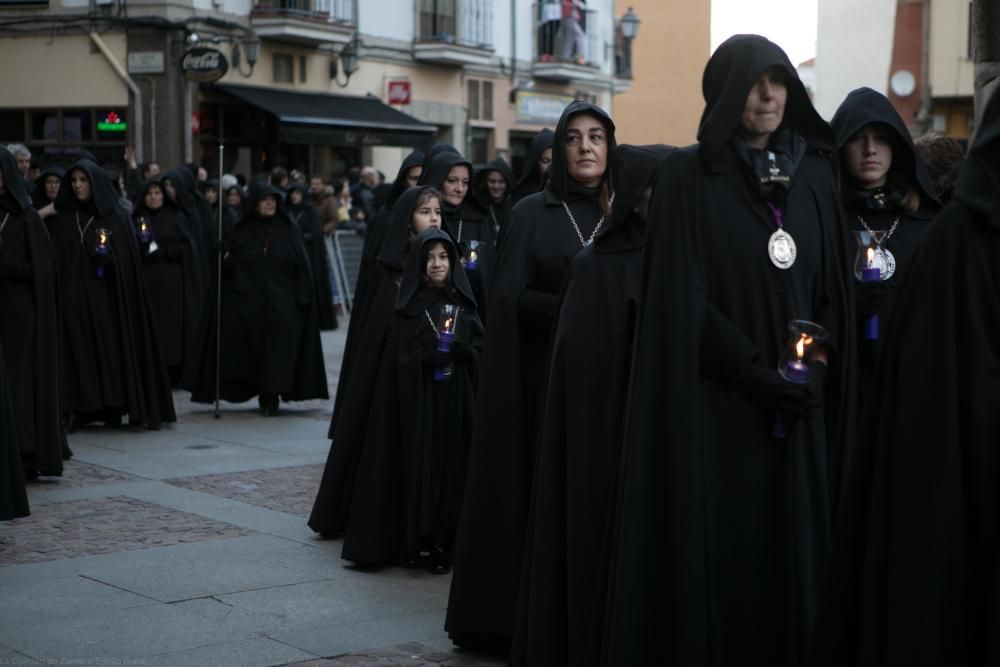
(189, 546)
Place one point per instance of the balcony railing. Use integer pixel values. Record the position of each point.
(461, 22)
(557, 40)
(332, 11)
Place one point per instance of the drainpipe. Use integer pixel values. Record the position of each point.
(513, 42)
(132, 86)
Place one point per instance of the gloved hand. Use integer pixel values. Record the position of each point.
(772, 392)
(435, 359)
(870, 296)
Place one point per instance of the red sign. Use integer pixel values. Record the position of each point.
(399, 92)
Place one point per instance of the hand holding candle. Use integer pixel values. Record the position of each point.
(471, 259)
(144, 233)
(446, 334)
(103, 241)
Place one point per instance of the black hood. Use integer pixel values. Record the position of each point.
(396, 237)
(499, 165)
(138, 201)
(102, 190)
(414, 159)
(559, 179)
(729, 76)
(529, 179)
(865, 106)
(434, 151)
(13, 181)
(306, 199)
(633, 168)
(978, 185)
(259, 190)
(181, 179)
(413, 272)
(439, 168)
(39, 197)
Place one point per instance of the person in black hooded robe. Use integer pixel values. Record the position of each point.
(886, 192)
(111, 359)
(270, 332)
(234, 206)
(546, 231)
(561, 607)
(416, 210)
(306, 220)
(731, 474)
(13, 496)
(535, 167)
(914, 574)
(493, 187)
(407, 492)
(179, 186)
(369, 272)
(171, 265)
(29, 324)
(465, 219)
(44, 196)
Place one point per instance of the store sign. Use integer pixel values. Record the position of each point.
(204, 64)
(112, 123)
(146, 62)
(540, 108)
(399, 92)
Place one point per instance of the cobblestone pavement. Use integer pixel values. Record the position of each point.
(101, 526)
(290, 490)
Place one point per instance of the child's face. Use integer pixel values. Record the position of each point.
(438, 265)
(427, 215)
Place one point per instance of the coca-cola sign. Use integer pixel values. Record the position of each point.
(202, 63)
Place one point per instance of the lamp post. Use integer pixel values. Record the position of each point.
(629, 25)
(347, 60)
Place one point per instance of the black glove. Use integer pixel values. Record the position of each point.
(870, 296)
(772, 392)
(435, 359)
(816, 387)
(102, 259)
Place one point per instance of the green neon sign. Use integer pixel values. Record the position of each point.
(120, 126)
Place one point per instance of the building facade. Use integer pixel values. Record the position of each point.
(317, 85)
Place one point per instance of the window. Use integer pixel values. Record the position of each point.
(302, 69)
(480, 99)
(487, 100)
(473, 86)
(480, 140)
(282, 68)
(12, 126)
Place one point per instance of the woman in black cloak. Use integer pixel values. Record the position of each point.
(913, 573)
(369, 271)
(493, 187)
(271, 344)
(47, 189)
(179, 186)
(29, 324)
(563, 586)
(13, 496)
(546, 231)
(886, 193)
(724, 520)
(234, 204)
(172, 269)
(407, 492)
(465, 219)
(417, 210)
(535, 167)
(112, 362)
(306, 220)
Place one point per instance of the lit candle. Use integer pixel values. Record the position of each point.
(870, 275)
(446, 334)
(103, 237)
(143, 230)
(471, 259)
(797, 369)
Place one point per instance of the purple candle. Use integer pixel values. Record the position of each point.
(103, 236)
(871, 274)
(797, 371)
(444, 345)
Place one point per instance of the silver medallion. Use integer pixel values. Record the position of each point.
(781, 249)
(885, 262)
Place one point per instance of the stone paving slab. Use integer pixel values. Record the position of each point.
(248, 653)
(52, 599)
(291, 489)
(78, 474)
(101, 526)
(413, 654)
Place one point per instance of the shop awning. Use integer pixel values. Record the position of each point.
(341, 120)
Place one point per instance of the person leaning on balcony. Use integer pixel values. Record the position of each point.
(573, 39)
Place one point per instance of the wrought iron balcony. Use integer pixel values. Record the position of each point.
(566, 47)
(454, 32)
(310, 22)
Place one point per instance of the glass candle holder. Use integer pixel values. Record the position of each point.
(471, 258)
(867, 269)
(446, 334)
(144, 233)
(804, 339)
(103, 244)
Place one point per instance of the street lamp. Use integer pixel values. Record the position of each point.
(630, 24)
(629, 27)
(347, 60)
(247, 48)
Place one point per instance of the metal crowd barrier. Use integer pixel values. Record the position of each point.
(344, 248)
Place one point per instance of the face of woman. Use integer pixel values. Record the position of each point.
(426, 215)
(168, 185)
(154, 198)
(586, 150)
(438, 265)
(212, 195)
(868, 156)
(268, 206)
(52, 184)
(295, 197)
(413, 175)
(234, 199)
(455, 185)
(544, 161)
(80, 183)
(764, 108)
(496, 184)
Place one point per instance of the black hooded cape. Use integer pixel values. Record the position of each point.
(173, 276)
(880, 208)
(348, 430)
(563, 586)
(13, 497)
(29, 325)
(722, 529)
(39, 199)
(306, 220)
(531, 270)
(498, 214)
(368, 273)
(270, 333)
(111, 357)
(914, 574)
(530, 182)
(407, 489)
(203, 225)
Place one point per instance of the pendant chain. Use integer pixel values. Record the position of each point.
(459, 239)
(430, 321)
(4, 223)
(879, 242)
(82, 230)
(597, 228)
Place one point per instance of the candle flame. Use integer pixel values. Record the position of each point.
(102, 238)
(800, 346)
(449, 324)
(871, 257)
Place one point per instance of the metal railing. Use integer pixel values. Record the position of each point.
(556, 38)
(333, 11)
(463, 22)
(344, 250)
